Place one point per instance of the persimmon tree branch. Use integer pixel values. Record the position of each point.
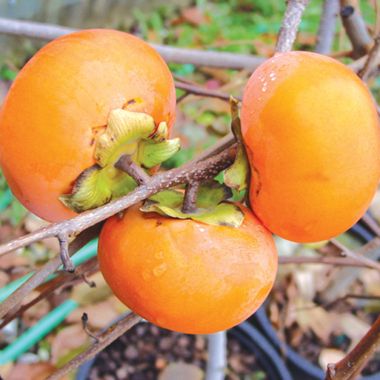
(350, 367)
(14, 300)
(104, 339)
(201, 91)
(353, 255)
(290, 23)
(372, 61)
(197, 171)
(327, 260)
(170, 54)
(126, 164)
(327, 26)
(355, 27)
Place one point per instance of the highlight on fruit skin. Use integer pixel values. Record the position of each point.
(60, 104)
(184, 275)
(311, 132)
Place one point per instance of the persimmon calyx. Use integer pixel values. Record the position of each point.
(237, 175)
(212, 207)
(131, 133)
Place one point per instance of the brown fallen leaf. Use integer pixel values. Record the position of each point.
(330, 355)
(35, 371)
(183, 371)
(353, 327)
(321, 322)
(194, 16)
(69, 338)
(100, 314)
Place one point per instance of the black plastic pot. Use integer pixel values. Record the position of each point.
(251, 339)
(300, 367)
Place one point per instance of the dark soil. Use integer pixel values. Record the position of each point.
(143, 353)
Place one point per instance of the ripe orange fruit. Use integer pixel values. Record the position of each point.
(312, 135)
(187, 276)
(61, 100)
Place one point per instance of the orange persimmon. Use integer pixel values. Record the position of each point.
(311, 131)
(184, 275)
(60, 102)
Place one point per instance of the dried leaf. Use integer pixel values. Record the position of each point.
(66, 340)
(330, 355)
(183, 371)
(85, 295)
(353, 327)
(321, 322)
(100, 314)
(35, 371)
(194, 16)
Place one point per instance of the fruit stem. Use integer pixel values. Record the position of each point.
(190, 200)
(126, 164)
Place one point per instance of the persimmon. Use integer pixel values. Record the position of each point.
(311, 132)
(59, 106)
(184, 275)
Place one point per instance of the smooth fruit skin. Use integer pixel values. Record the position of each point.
(184, 275)
(62, 98)
(312, 135)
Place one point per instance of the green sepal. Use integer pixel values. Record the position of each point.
(211, 208)
(97, 186)
(131, 133)
(151, 153)
(224, 214)
(237, 175)
(124, 130)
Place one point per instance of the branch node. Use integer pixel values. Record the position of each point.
(87, 329)
(91, 284)
(68, 265)
(126, 164)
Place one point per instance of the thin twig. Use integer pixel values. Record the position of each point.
(104, 340)
(198, 90)
(189, 172)
(327, 26)
(353, 255)
(290, 23)
(64, 253)
(126, 164)
(222, 144)
(63, 281)
(86, 329)
(372, 62)
(170, 54)
(50, 267)
(350, 367)
(326, 260)
(355, 27)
